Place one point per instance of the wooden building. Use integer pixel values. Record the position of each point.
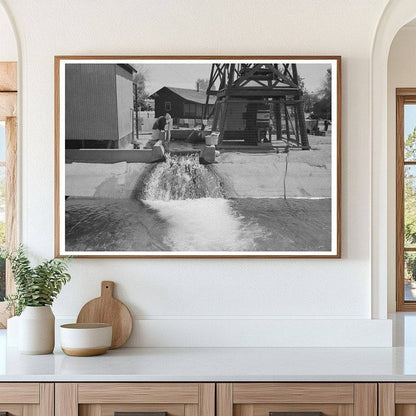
(182, 104)
(98, 106)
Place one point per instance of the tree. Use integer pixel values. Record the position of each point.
(410, 204)
(323, 106)
(309, 97)
(410, 190)
(140, 94)
(203, 84)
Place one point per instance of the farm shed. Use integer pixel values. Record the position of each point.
(98, 106)
(182, 104)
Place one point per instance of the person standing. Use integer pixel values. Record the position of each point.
(160, 125)
(168, 127)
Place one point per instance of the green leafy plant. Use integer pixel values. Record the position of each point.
(35, 286)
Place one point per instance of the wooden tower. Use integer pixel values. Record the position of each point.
(252, 100)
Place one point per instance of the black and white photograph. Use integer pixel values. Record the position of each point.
(198, 157)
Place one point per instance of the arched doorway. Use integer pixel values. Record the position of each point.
(8, 149)
(396, 14)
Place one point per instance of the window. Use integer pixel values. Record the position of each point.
(406, 199)
(8, 166)
(2, 206)
(168, 106)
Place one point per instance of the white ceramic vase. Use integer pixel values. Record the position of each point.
(37, 330)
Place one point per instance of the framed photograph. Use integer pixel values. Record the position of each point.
(198, 156)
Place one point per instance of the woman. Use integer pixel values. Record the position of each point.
(159, 127)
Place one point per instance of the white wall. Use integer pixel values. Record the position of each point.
(8, 47)
(181, 301)
(401, 74)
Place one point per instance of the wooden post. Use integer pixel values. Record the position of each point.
(217, 111)
(278, 117)
(302, 126)
(287, 122)
(224, 105)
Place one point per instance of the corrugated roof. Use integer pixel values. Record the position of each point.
(189, 95)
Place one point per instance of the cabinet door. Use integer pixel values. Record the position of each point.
(297, 399)
(26, 399)
(397, 399)
(145, 399)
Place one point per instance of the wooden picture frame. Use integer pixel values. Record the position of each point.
(74, 135)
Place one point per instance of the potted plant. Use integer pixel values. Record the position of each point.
(36, 289)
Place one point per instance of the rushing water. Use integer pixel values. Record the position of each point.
(180, 206)
(188, 196)
(180, 178)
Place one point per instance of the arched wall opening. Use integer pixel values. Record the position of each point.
(401, 73)
(397, 14)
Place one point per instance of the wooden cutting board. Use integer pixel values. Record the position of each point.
(107, 309)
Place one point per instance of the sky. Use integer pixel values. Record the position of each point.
(185, 75)
(409, 119)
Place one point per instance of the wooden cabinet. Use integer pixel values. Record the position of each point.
(208, 399)
(297, 399)
(106, 399)
(397, 399)
(27, 399)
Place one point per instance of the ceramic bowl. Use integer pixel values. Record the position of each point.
(84, 340)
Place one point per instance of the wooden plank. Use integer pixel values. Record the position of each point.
(23, 393)
(190, 410)
(405, 393)
(66, 399)
(344, 410)
(365, 403)
(13, 409)
(246, 410)
(207, 399)
(47, 399)
(224, 399)
(8, 76)
(405, 91)
(31, 410)
(405, 410)
(386, 399)
(293, 393)
(91, 410)
(138, 393)
(8, 105)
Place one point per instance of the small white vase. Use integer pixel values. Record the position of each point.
(37, 330)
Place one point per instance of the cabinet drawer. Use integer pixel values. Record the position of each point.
(297, 399)
(21, 399)
(153, 399)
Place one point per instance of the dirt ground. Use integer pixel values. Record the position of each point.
(297, 174)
